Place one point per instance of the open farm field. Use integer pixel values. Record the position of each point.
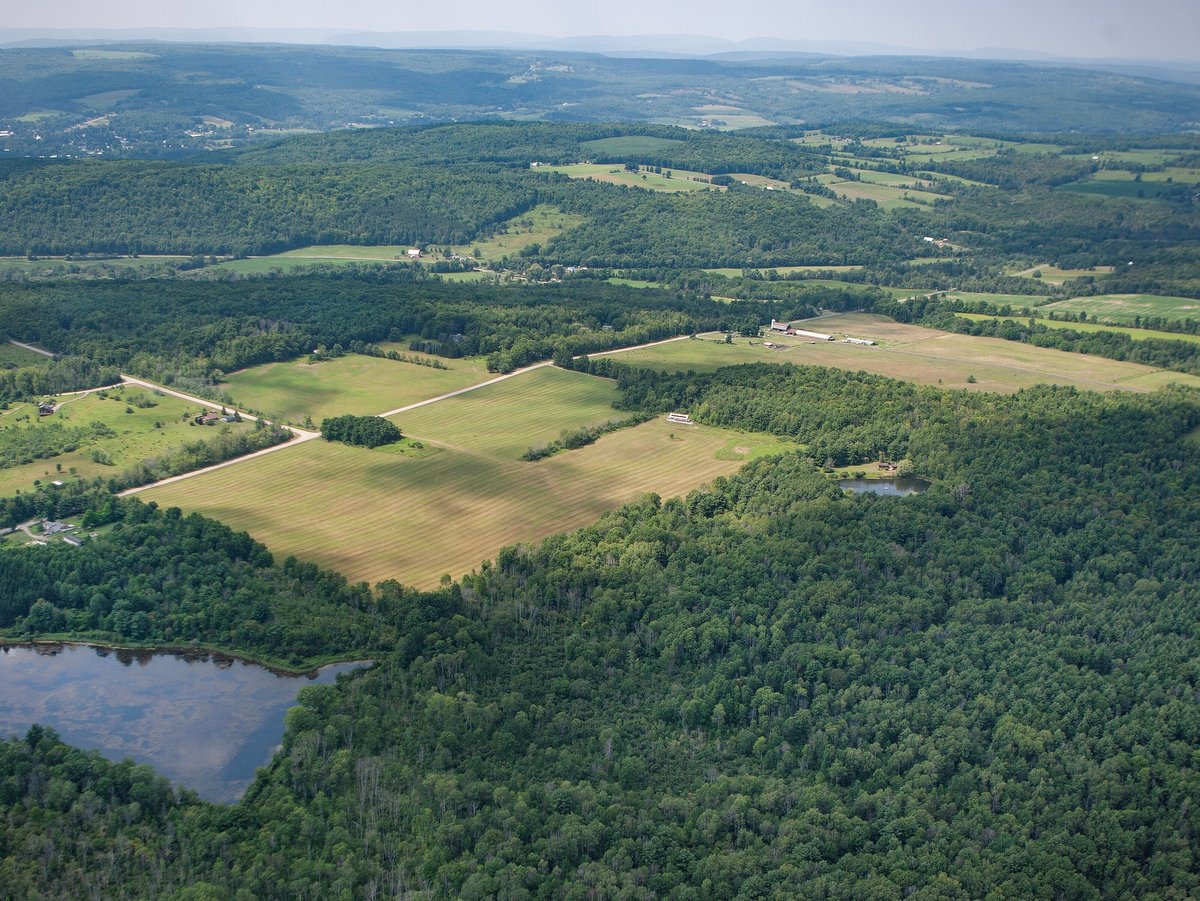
(138, 434)
(1138, 334)
(373, 515)
(782, 270)
(1129, 190)
(295, 390)
(60, 266)
(630, 144)
(1052, 275)
(535, 226)
(12, 356)
(1125, 308)
(760, 181)
(1013, 300)
(617, 174)
(915, 354)
(875, 177)
(503, 420)
(887, 196)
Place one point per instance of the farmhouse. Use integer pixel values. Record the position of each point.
(680, 418)
(207, 418)
(46, 408)
(414, 253)
(50, 527)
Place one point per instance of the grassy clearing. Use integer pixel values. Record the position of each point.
(58, 266)
(537, 226)
(782, 270)
(617, 174)
(374, 515)
(1013, 300)
(137, 437)
(294, 391)
(1124, 308)
(13, 356)
(629, 145)
(887, 196)
(504, 419)
(1052, 275)
(915, 354)
(1135, 334)
(1126, 190)
(875, 177)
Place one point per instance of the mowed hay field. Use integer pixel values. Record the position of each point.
(916, 354)
(504, 419)
(1125, 308)
(355, 384)
(1137, 334)
(373, 515)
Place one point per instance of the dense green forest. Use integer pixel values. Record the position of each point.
(765, 689)
(189, 333)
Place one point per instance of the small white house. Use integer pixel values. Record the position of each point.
(414, 253)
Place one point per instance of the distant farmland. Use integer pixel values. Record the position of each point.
(1125, 308)
(916, 354)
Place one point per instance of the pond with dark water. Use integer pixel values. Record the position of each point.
(204, 721)
(893, 487)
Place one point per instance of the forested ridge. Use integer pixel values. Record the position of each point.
(765, 689)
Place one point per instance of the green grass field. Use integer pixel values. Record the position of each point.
(504, 419)
(1052, 275)
(136, 437)
(1126, 190)
(783, 270)
(1013, 300)
(1124, 308)
(292, 391)
(887, 196)
(617, 174)
(537, 226)
(915, 354)
(1138, 334)
(629, 144)
(57, 266)
(12, 356)
(374, 515)
(534, 226)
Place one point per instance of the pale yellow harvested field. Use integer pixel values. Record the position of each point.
(917, 354)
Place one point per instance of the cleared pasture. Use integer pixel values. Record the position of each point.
(915, 354)
(504, 419)
(140, 433)
(887, 196)
(1013, 300)
(1125, 308)
(617, 174)
(1052, 275)
(13, 356)
(1138, 334)
(628, 145)
(374, 516)
(295, 390)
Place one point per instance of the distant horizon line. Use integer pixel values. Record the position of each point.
(667, 45)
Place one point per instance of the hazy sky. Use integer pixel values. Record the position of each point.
(1153, 29)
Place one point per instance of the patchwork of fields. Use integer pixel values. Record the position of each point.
(374, 515)
(1125, 308)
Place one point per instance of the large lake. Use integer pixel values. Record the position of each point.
(204, 721)
(893, 487)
